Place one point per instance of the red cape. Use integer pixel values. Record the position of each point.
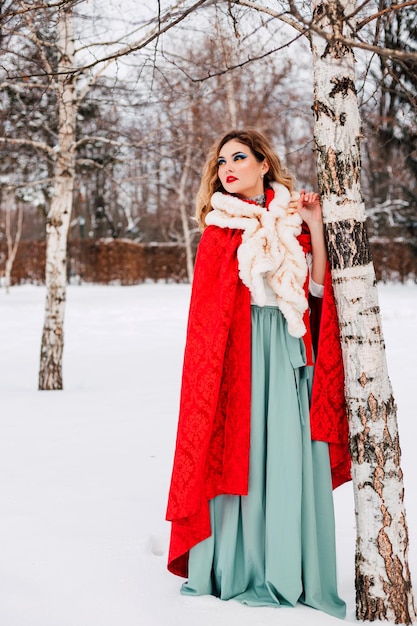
(212, 449)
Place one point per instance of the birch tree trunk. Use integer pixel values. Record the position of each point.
(12, 243)
(383, 585)
(183, 196)
(50, 373)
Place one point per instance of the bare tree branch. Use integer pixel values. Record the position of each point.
(37, 7)
(301, 24)
(112, 142)
(108, 60)
(39, 44)
(281, 15)
(234, 66)
(392, 8)
(29, 142)
(31, 183)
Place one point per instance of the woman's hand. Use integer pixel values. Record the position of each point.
(309, 207)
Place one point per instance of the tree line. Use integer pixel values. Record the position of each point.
(135, 125)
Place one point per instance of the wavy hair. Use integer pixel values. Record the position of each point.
(260, 148)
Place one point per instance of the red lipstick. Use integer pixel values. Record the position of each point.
(231, 179)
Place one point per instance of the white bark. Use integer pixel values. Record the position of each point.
(383, 585)
(50, 374)
(183, 196)
(12, 242)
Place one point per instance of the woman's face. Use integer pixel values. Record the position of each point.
(239, 171)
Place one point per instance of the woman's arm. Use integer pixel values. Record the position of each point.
(309, 207)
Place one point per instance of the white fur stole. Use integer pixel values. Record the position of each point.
(269, 251)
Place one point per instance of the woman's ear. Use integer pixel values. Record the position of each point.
(265, 167)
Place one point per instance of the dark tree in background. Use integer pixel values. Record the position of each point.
(390, 127)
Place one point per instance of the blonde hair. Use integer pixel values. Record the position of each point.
(261, 149)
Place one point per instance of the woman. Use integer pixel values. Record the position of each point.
(250, 499)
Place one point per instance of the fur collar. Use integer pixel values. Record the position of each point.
(269, 251)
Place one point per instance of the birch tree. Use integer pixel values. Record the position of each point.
(12, 240)
(71, 81)
(50, 372)
(382, 576)
(58, 221)
(183, 195)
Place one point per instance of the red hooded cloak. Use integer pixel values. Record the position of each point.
(212, 448)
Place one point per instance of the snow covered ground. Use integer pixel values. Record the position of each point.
(84, 473)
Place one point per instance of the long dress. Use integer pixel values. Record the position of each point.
(275, 546)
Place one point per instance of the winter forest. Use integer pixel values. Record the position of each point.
(155, 83)
(107, 112)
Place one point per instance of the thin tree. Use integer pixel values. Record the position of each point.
(50, 372)
(383, 584)
(68, 81)
(13, 240)
(183, 193)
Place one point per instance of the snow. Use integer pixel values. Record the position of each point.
(85, 471)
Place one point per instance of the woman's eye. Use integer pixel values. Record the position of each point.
(239, 156)
(221, 162)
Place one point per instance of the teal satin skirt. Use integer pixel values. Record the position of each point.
(275, 546)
